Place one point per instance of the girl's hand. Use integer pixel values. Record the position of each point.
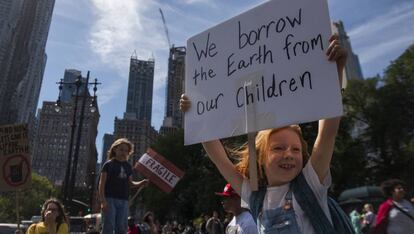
(50, 217)
(185, 104)
(144, 182)
(50, 221)
(336, 52)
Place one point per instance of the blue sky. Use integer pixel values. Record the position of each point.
(101, 35)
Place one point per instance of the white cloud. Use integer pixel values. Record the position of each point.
(381, 49)
(122, 27)
(396, 16)
(377, 38)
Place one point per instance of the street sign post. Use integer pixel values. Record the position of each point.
(15, 167)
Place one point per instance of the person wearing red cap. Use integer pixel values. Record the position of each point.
(242, 221)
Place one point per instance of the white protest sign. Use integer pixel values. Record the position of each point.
(262, 69)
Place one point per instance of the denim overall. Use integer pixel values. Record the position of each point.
(281, 220)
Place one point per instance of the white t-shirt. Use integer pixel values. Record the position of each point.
(399, 222)
(242, 224)
(275, 197)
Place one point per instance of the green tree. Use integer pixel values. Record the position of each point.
(194, 194)
(30, 199)
(385, 106)
(348, 161)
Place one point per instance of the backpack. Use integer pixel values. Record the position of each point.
(306, 199)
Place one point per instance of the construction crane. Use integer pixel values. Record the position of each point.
(165, 28)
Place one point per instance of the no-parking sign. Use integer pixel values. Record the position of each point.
(15, 168)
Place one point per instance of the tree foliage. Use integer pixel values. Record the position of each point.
(194, 193)
(30, 199)
(384, 107)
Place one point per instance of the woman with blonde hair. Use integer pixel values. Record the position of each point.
(368, 218)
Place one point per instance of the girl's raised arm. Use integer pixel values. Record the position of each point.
(328, 128)
(218, 155)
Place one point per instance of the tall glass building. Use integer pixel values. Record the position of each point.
(175, 87)
(140, 84)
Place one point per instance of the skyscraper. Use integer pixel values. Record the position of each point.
(175, 87)
(107, 140)
(22, 57)
(68, 90)
(136, 123)
(352, 68)
(51, 148)
(10, 11)
(140, 84)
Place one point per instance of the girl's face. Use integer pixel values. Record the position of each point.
(284, 158)
(121, 152)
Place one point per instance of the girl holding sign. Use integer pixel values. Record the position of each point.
(283, 159)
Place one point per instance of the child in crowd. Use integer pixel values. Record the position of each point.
(114, 183)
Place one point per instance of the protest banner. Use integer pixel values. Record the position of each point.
(262, 69)
(15, 167)
(159, 170)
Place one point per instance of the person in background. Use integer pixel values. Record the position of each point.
(214, 225)
(132, 228)
(242, 221)
(149, 223)
(395, 215)
(355, 217)
(368, 219)
(203, 229)
(54, 220)
(114, 184)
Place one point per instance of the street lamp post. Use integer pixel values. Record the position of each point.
(70, 175)
(91, 188)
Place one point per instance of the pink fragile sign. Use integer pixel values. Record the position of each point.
(159, 170)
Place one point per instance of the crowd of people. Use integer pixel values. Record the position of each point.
(395, 215)
(292, 195)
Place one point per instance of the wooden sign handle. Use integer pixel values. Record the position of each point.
(252, 161)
